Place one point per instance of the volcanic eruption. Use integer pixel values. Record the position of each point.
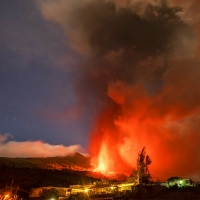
(140, 80)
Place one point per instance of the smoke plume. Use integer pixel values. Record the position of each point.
(140, 79)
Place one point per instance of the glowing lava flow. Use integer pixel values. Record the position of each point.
(103, 160)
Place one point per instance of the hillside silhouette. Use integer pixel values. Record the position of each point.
(52, 171)
(74, 162)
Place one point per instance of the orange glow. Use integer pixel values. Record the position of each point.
(104, 163)
(103, 160)
(164, 132)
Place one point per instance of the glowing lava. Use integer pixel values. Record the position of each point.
(103, 160)
(103, 165)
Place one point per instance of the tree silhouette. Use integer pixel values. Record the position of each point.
(141, 174)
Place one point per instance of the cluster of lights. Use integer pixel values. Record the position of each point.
(7, 196)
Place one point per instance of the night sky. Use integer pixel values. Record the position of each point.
(37, 72)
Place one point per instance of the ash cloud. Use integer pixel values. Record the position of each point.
(141, 76)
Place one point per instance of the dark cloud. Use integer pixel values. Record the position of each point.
(140, 78)
(109, 28)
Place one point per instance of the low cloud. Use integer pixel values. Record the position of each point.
(33, 148)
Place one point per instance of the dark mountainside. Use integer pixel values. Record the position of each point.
(28, 173)
(74, 162)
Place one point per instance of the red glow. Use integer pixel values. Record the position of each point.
(142, 122)
(103, 160)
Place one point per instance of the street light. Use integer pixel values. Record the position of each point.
(7, 196)
(86, 190)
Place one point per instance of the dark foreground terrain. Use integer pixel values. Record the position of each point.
(28, 173)
(73, 162)
(151, 192)
(24, 179)
(160, 192)
(33, 178)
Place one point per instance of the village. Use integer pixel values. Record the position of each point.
(102, 190)
(139, 184)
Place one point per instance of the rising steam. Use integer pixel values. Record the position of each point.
(142, 77)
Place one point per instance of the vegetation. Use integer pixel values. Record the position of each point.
(50, 193)
(141, 174)
(79, 196)
(160, 192)
(178, 182)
